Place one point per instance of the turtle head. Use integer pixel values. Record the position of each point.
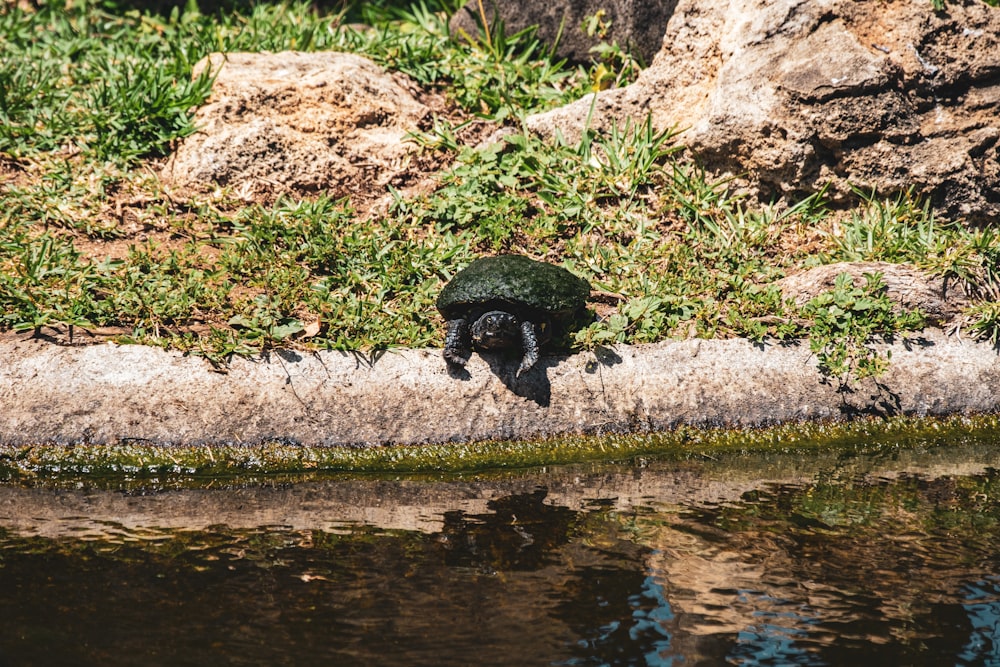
(496, 329)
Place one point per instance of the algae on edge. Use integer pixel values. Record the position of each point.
(130, 460)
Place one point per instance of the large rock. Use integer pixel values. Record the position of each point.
(794, 94)
(940, 299)
(635, 26)
(301, 123)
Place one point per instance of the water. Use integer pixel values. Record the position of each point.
(886, 560)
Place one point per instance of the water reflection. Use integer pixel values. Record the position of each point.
(983, 609)
(751, 562)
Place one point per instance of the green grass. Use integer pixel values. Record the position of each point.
(93, 94)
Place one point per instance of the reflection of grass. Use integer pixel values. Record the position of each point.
(89, 238)
(854, 513)
(843, 559)
(942, 504)
(144, 464)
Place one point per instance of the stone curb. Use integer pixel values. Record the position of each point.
(105, 394)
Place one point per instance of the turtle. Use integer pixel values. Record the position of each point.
(506, 302)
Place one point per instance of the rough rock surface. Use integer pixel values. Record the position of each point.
(107, 393)
(301, 123)
(635, 26)
(939, 299)
(793, 94)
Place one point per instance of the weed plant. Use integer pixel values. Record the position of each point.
(93, 94)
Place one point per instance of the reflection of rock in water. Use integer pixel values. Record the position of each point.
(806, 574)
(340, 504)
(422, 505)
(704, 563)
(714, 591)
(523, 585)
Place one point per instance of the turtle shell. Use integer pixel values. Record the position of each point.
(515, 284)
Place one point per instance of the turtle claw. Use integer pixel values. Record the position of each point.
(454, 358)
(529, 341)
(456, 343)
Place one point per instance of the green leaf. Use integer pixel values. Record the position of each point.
(289, 328)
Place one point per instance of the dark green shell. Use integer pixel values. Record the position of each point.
(514, 283)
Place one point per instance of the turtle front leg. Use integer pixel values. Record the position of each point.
(456, 343)
(529, 341)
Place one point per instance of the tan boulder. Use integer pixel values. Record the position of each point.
(301, 123)
(940, 299)
(792, 95)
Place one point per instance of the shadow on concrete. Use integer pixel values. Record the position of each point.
(533, 385)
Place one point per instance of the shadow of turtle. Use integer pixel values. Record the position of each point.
(533, 384)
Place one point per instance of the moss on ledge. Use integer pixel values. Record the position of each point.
(136, 461)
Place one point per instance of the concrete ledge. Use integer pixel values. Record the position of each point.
(107, 393)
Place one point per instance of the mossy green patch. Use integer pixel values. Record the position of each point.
(135, 461)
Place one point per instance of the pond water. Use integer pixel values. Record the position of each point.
(890, 559)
